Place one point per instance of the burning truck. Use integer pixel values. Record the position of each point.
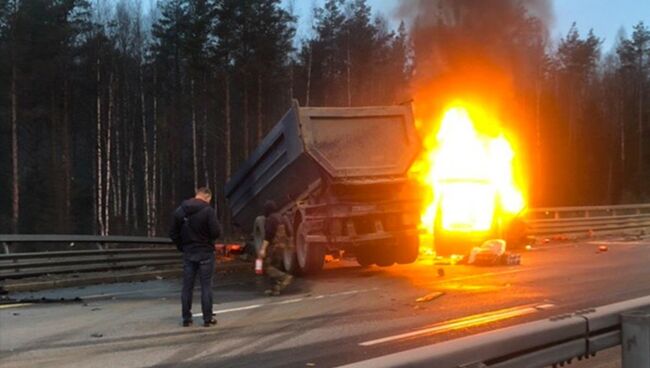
(340, 176)
(475, 195)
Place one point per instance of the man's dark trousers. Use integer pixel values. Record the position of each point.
(203, 264)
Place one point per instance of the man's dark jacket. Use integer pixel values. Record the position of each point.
(195, 227)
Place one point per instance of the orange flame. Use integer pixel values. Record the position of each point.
(467, 165)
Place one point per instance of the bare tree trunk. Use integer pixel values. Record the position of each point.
(99, 160)
(194, 158)
(228, 145)
(118, 164)
(246, 123)
(290, 83)
(308, 76)
(15, 188)
(109, 128)
(621, 125)
(204, 128)
(348, 64)
(227, 129)
(640, 125)
(67, 156)
(145, 153)
(154, 200)
(131, 186)
(538, 136)
(260, 130)
(610, 181)
(55, 176)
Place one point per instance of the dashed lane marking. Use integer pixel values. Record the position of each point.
(465, 322)
(287, 301)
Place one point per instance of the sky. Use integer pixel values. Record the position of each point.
(605, 17)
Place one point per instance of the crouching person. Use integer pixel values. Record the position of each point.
(194, 230)
(277, 234)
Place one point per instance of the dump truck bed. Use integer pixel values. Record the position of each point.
(311, 145)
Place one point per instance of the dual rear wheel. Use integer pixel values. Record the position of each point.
(303, 258)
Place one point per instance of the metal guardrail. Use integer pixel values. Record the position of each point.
(587, 220)
(552, 342)
(16, 264)
(141, 252)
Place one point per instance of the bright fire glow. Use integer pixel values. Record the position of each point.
(468, 166)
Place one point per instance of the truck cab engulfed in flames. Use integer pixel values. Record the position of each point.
(475, 195)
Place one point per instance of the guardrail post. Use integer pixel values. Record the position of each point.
(635, 339)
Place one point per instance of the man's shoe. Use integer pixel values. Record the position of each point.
(187, 323)
(209, 323)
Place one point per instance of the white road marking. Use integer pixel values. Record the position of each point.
(254, 306)
(288, 301)
(470, 321)
(5, 306)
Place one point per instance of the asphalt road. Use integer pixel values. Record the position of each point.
(345, 314)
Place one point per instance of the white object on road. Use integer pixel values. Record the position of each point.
(493, 246)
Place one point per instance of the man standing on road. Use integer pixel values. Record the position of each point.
(277, 234)
(194, 230)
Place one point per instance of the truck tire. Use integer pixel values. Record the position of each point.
(364, 256)
(258, 233)
(385, 255)
(290, 259)
(408, 250)
(310, 256)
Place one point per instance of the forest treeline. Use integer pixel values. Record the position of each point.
(113, 111)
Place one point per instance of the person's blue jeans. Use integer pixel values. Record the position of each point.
(203, 265)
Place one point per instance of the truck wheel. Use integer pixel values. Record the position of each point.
(364, 257)
(310, 256)
(408, 250)
(258, 233)
(290, 259)
(385, 255)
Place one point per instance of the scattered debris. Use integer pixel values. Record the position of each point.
(95, 309)
(493, 252)
(16, 314)
(489, 253)
(448, 261)
(159, 278)
(310, 364)
(429, 297)
(529, 247)
(441, 272)
(97, 335)
(602, 248)
(511, 259)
